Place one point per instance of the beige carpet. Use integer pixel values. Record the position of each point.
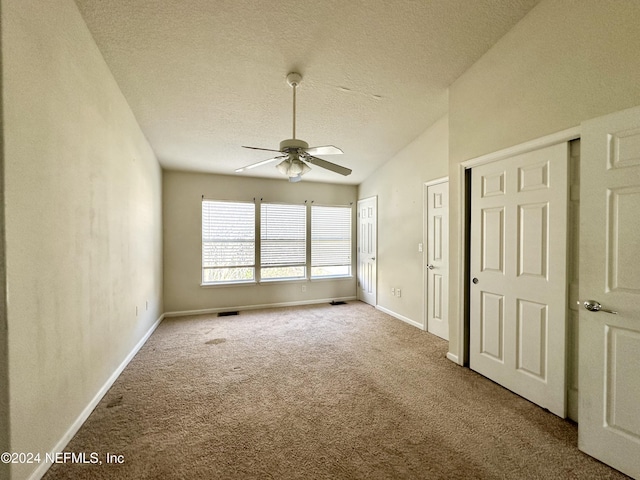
(316, 392)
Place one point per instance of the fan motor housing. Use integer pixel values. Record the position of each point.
(292, 143)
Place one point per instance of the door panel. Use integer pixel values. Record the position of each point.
(437, 258)
(609, 344)
(492, 325)
(532, 338)
(493, 239)
(518, 265)
(533, 240)
(623, 382)
(367, 240)
(623, 274)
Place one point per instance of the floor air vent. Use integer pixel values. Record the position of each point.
(227, 314)
(334, 302)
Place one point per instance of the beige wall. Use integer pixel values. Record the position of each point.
(182, 202)
(4, 333)
(565, 62)
(83, 222)
(398, 184)
(83, 194)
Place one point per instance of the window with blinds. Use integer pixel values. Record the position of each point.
(283, 239)
(232, 249)
(330, 241)
(228, 242)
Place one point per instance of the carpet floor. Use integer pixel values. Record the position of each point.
(316, 392)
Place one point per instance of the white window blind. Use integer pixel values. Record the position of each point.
(330, 241)
(283, 241)
(228, 241)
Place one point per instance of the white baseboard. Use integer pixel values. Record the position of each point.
(256, 307)
(75, 426)
(400, 317)
(453, 358)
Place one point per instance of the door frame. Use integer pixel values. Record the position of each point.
(462, 228)
(425, 227)
(373, 198)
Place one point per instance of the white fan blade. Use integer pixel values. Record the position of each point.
(263, 149)
(324, 150)
(259, 164)
(328, 165)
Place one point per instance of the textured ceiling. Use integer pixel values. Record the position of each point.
(205, 77)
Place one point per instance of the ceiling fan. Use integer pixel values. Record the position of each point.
(296, 154)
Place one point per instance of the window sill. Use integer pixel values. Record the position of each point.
(278, 281)
(228, 284)
(332, 278)
(270, 281)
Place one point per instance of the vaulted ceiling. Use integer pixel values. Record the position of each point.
(204, 77)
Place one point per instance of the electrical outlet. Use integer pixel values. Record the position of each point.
(398, 292)
(393, 291)
(419, 247)
(304, 288)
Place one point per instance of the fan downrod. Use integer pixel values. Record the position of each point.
(294, 79)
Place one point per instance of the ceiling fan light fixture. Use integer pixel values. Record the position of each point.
(293, 167)
(305, 168)
(283, 167)
(295, 152)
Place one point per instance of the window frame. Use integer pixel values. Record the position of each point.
(312, 277)
(204, 283)
(257, 265)
(260, 265)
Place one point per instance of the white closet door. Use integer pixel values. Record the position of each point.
(518, 269)
(609, 413)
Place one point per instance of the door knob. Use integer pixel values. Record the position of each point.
(430, 266)
(373, 258)
(594, 306)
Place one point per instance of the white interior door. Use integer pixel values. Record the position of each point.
(609, 344)
(518, 268)
(367, 240)
(437, 258)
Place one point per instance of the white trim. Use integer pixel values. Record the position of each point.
(453, 358)
(462, 260)
(536, 144)
(251, 283)
(399, 317)
(425, 240)
(333, 278)
(436, 181)
(204, 311)
(278, 281)
(75, 426)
